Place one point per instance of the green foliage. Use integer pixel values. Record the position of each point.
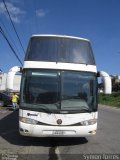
(111, 100)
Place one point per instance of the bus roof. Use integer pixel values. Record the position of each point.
(61, 36)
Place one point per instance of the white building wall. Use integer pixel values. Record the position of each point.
(3, 78)
(16, 82)
(3, 82)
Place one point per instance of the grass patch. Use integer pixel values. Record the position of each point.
(111, 100)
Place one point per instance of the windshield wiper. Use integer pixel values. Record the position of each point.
(70, 97)
(84, 108)
(78, 108)
(58, 104)
(45, 109)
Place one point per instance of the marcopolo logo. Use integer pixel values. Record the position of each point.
(59, 121)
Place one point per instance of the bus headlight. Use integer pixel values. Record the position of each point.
(27, 120)
(88, 122)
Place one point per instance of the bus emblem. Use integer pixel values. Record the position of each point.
(59, 121)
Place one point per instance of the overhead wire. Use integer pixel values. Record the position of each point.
(13, 26)
(13, 42)
(3, 34)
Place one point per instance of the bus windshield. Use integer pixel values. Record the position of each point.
(60, 49)
(56, 91)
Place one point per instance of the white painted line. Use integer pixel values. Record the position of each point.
(57, 151)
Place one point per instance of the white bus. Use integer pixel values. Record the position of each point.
(58, 96)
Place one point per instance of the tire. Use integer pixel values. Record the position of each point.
(1, 103)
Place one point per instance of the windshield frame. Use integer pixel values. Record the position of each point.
(60, 49)
(60, 99)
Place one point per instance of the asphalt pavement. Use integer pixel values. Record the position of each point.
(104, 145)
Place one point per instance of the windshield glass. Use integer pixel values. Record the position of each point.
(50, 90)
(59, 49)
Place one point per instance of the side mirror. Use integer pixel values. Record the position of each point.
(106, 82)
(10, 76)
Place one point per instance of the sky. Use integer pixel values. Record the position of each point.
(96, 20)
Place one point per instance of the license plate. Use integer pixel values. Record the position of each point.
(58, 132)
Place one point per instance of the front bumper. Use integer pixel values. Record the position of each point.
(56, 131)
